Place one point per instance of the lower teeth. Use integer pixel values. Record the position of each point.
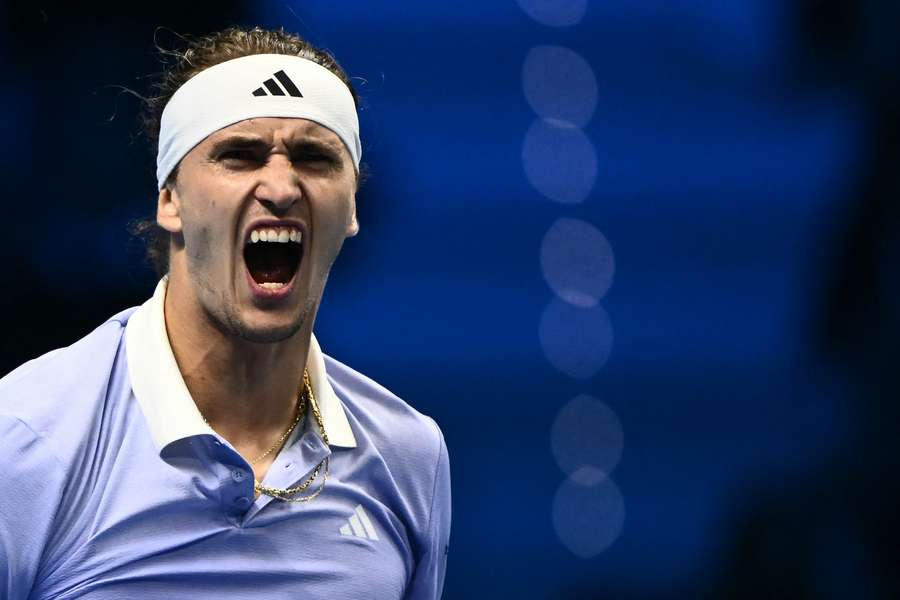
(272, 285)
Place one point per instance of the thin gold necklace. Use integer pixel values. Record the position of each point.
(286, 494)
(301, 408)
(290, 494)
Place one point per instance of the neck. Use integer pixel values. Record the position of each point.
(246, 391)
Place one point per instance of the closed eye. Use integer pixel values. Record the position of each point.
(239, 154)
(316, 156)
(313, 157)
(238, 151)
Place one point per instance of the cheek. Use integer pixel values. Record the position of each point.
(337, 223)
(198, 244)
(344, 212)
(202, 231)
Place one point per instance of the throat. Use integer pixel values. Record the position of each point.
(272, 263)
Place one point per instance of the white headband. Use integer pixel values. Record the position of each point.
(260, 85)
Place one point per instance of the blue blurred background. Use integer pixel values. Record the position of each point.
(638, 259)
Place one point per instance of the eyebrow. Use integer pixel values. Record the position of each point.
(238, 142)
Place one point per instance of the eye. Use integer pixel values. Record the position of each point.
(238, 155)
(312, 157)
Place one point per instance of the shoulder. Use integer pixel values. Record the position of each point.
(48, 394)
(109, 332)
(384, 417)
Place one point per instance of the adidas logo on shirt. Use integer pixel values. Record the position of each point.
(359, 525)
(275, 89)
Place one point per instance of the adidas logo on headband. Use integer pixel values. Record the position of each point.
(275, 89)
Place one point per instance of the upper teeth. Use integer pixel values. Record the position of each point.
(281, 235)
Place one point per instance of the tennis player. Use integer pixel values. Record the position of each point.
(202, 445)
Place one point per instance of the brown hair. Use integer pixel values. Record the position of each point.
(199, 54)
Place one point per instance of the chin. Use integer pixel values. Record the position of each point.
(267, 334)
(262, 329)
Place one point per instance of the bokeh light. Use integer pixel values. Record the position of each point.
(577, 262)
(586, 439)
(559, 85)
(560, 161)
(577, 341)
(588, 518)
(555, 13)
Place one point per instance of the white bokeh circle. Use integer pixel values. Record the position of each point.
(586, 439)
(588, 518)
(560, 161)
(577, 341)
(555, 13)
(559, 84)
(577, 261)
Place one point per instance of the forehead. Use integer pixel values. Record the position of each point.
(276, 130)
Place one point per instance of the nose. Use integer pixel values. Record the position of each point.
(279, 185)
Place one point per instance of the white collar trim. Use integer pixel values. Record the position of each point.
(165, 400)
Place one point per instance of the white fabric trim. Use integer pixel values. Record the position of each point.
(165, 400)
(224, 94)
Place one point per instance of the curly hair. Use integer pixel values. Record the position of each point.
(200, 53)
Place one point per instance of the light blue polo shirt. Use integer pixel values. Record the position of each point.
(115, 488)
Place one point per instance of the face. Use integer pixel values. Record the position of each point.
(259, 211)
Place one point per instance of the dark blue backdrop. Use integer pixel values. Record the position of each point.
(599, 246)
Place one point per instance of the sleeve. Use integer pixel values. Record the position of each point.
(28, 498)
(431, 564)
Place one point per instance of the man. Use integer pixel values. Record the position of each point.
(201, 445)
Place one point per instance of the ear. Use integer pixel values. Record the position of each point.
(168, 210)
(353, 225)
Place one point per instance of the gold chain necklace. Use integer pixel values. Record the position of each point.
(301, 408)
(286, 494)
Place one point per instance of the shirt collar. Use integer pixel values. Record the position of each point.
(165, 400)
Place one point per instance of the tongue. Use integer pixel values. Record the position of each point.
(271, 273)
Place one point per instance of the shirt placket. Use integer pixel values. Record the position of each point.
(293, 466)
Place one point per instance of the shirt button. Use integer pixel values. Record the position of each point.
(242, 502)
(238, 475)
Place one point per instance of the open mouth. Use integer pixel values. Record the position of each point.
(272, 255)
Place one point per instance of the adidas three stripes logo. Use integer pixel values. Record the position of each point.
(359, 525)
(275, 89)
